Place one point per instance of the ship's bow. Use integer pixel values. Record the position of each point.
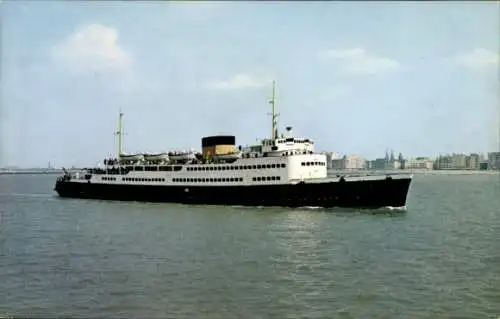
(395, 191)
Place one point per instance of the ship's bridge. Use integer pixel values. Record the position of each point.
(284, 145)
(288, 144)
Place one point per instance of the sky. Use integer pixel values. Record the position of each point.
(421, 78)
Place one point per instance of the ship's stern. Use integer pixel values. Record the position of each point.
(61, 184)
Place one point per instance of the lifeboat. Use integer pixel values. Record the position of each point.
(131, 157)
(227, 157)
(182, 156)
(156, 157)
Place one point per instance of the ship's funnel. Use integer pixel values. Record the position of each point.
(289, 131)
(218, 144)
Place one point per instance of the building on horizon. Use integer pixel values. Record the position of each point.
(348, 162)
(419, 163)
(472, 161)
(389, 162)
(494, 160)
(330, 158)
(459, 161)
(483, 165)
(354, 162)
(443, 162)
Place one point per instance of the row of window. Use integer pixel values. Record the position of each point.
(194, 180)
(235, 167)
(266, 178)
(204, 180)
(287, 140)
(313, 163)
(155, 168)
(140, 179)
(291, 140)
(170, 168)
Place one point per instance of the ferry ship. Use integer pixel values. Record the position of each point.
(282, 170)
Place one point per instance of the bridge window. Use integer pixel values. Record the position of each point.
(264, 178)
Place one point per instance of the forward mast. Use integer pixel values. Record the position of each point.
(119, 132)
(274, 115)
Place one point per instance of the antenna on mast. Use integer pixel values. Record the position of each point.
(274, 115)
(119, 132)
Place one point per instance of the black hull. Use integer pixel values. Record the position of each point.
(353, 194)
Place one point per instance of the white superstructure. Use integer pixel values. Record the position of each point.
(280, 159)
(292, 159)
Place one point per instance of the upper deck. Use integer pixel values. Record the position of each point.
(286, 155)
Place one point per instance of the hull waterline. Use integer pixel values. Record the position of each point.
(354, 194)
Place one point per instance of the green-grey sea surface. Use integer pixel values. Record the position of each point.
(88, 258)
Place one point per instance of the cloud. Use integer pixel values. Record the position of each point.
(478, 58)
(92, 48)
(241, 81)
(357, 61)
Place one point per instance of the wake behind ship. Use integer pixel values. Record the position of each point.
(283, 170)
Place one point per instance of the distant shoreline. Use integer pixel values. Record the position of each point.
(417, 172)
(330, 172)
(31, 172)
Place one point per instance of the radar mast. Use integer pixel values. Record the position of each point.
(119, 132)
(274, 115)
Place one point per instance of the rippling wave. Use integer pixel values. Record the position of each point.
(438, 258)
